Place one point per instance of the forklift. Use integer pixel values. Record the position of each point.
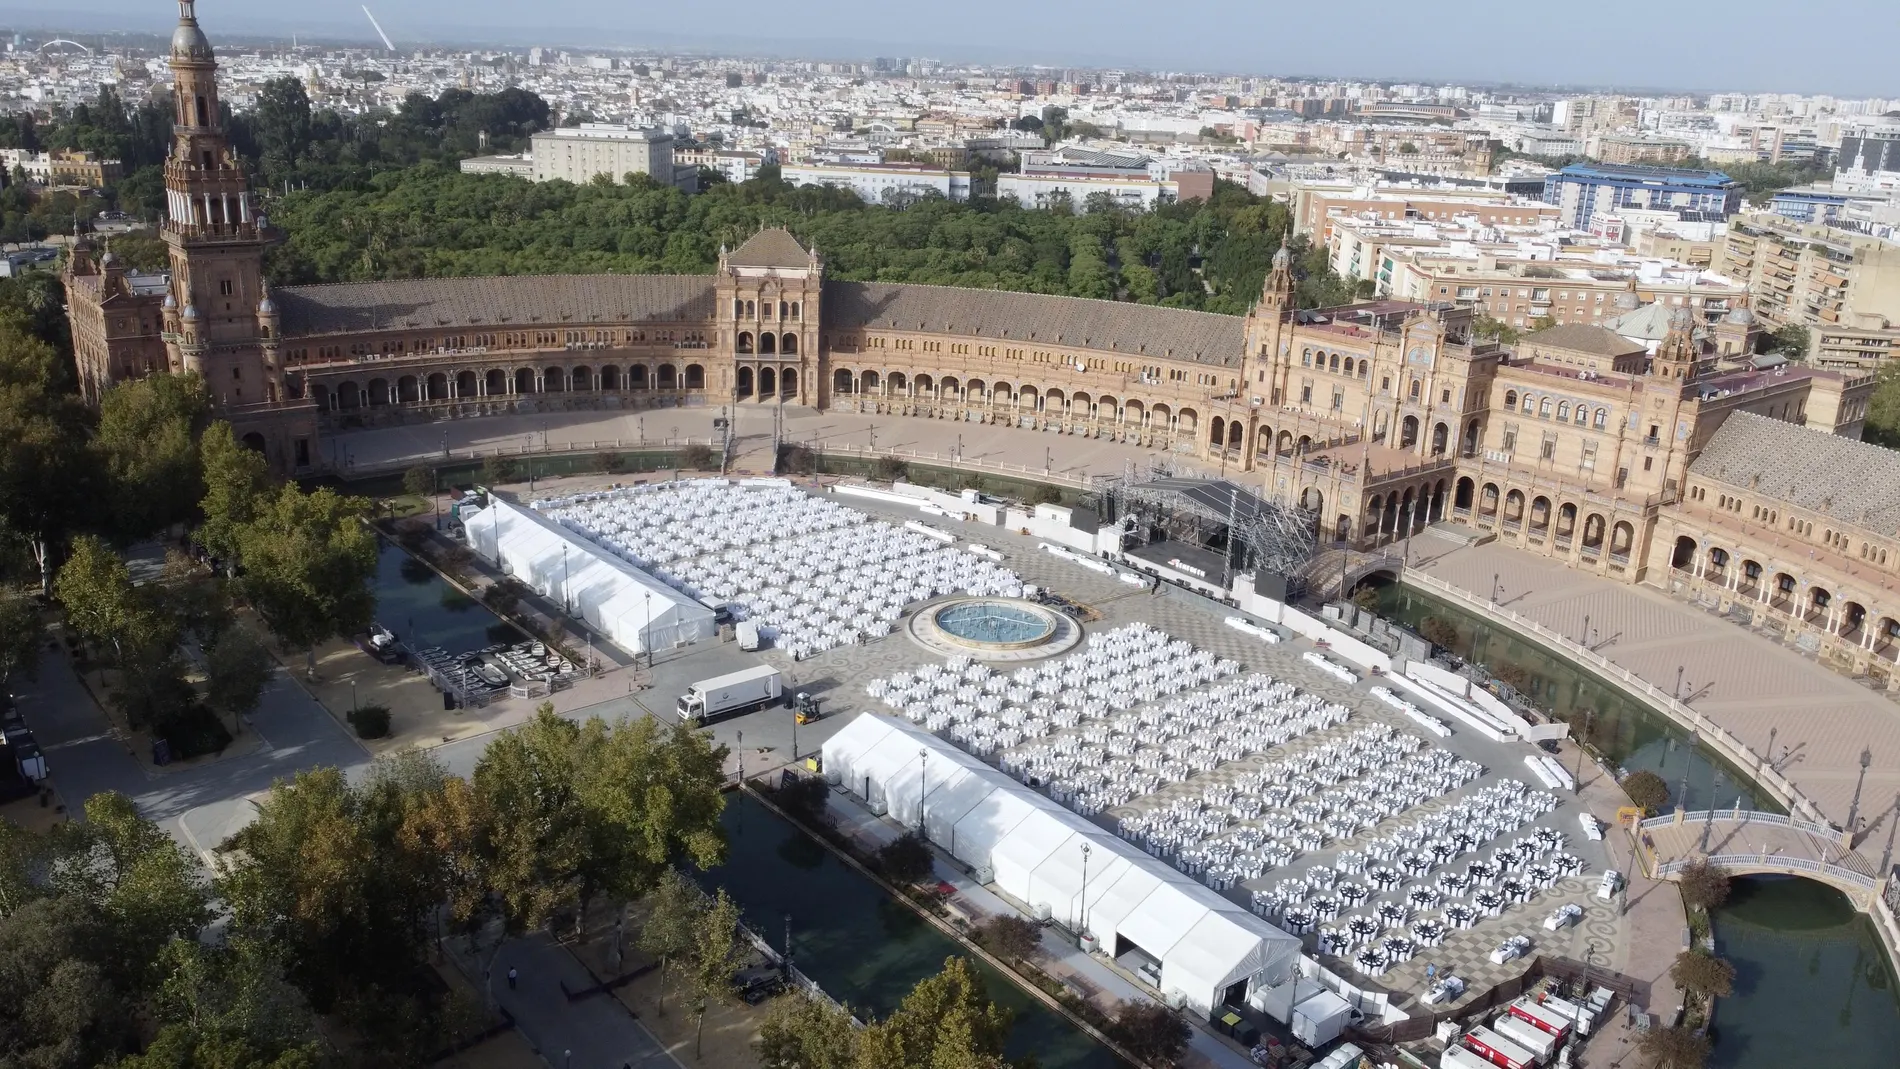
(805, 708)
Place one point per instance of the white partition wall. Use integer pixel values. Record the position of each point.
(1031, 849)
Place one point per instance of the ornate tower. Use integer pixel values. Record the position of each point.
(1675, 358)
(768, 296)
(215, 321)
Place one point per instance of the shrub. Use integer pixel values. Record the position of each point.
(502, 597)
(497, 470)
(611, 463)
(1008, 937)
(1704, 886)
(419, 481)
(413, 534)
(890, 469)
(191, 731)
(905, 859)
(1046, 495)
(1150, 1031)
(803, 798)
(796, 460)
(1438, 632)
(1674, 1048)
(1647, 790)
(697, 457)
(1516, 676)
(1703, 974)
(370, 721)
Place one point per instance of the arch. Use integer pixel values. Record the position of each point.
(1374, 509)
(525, 380)
(1488, 499)
(496, 380)
(1510, 399)
(1563, 411)
(349, 395)
(1217, 432)
(1462, 494)
(1441, 438)
(1029, 397)
(1160, 415)
(841, 381)
(378, 392)
(745, 343)
(1594, 527)
(1750, 584)
(975, 390)
(1263, 440)
(554, 380)
(1285, 444)
(1472, 436)
(1887, 638)
(896, 382)
(581, 379)
(610, 377)
(1080, 404)
(1853, 622)
(1348, 368)
(768, 343)
(406, 389)
(1566, 521)
(1514, 507)
(321, 395)
(768, 382)
(949, 387)
(742, 381)
(439, 386)
(1187, 420)
(1133, 411)
(1055, 400)
(1602, 418)
(788, 382)
(1236, 431)
(637, 377)
(695, 377)
(1683, 556)
(1540, 514)
(466, 384)
(1408, 432)
(867, 382)
(1622, 538)
(1718, 562)
(1819, 598)
(1437, 510)
(789, 346)
(1305, 444)
(1781, 593)
(666, 377)
(254, 442)
(924, 385)
(1408, 510)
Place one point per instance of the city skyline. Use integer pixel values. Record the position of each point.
(1675, 51)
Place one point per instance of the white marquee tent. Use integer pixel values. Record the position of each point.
(1030, 848)
(631, 608)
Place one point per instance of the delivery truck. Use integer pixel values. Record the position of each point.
(748, 635)
(729, 695)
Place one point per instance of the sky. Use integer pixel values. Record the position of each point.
(1835, 46)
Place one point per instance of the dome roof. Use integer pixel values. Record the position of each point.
(188, 41)
(1680, 319)
(267, 307)
(1741, 317)
(190, 313)
(171, 302)
(1282, 260)
(1628, 301)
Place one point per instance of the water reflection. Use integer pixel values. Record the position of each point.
(866, 949)
(1813, 985)
(1627, 731)
(427, 611)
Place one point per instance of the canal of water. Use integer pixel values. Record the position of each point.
(1813, 985)
(424, 610)
(863, 947)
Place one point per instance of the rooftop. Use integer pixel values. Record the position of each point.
(1640, 173)
(1582, 338)
(771, 247)
(1855, 481)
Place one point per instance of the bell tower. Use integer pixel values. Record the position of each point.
(214, 321)
(1675, 358)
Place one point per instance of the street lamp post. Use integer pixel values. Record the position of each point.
(1497, 590)
(741, 745)
(1769, 757)
(1588, 715)
(1677, 693)
(1083, 921)
(1585, 636)
(1853, 810)
(923, 789)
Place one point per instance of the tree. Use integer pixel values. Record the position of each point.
(1703, 974)
(1789, 340)
(805, 1033)
(237, 669)
(946, 1020)
(65, 1012)
(148, 443)
(905, 859)
(1674, 1048)
(1496, 329)
(716, 948)
(1439, 632)
(1151, 1032)
(532, 774)
(102, 604)
(419, 481)
(672, 909)
(452, 825)
(236, 479)
(1703, 886)
(228, 1004)
(696, 456)
(804, 799)
(500, 470)
(1883, 409)
(146, 886)
(1646, 790)
(21, 630)
(307, 563)
(1009, 936)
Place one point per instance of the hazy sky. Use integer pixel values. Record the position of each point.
(1835, 46)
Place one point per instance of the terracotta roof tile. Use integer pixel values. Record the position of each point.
(773, 247)
(1855, 481)
(516, 302)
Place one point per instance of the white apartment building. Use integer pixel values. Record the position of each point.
(881, 183)
(578, 153)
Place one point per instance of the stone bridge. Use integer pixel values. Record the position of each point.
(1750, 842)
(1332, 573)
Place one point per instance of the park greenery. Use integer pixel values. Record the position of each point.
(946, 1022)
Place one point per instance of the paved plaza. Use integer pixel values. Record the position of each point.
(1743, 682)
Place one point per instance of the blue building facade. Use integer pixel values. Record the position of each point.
(1582, 189)
(1805, 206)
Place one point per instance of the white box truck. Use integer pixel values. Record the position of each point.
(748, 634)
(739, 692)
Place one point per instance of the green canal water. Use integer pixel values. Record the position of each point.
(1813, 986)
(864, 948)
(424, 610)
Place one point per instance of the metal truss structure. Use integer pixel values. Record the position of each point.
(1223, 517)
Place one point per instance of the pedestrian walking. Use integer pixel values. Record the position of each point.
(513, 975)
